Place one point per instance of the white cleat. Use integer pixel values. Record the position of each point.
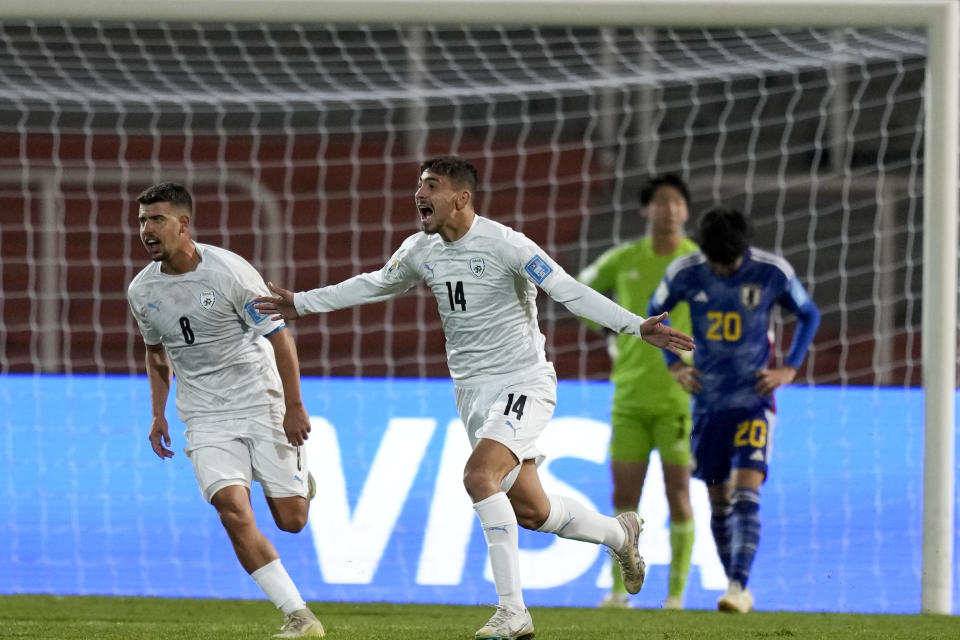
(615, 601)
(300, 624)
(673, 602)
(507, 624)
(632, 566)
(737, 599)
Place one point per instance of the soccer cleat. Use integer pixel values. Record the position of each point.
(507, 624)
(737, 599)
(673, 602)
(300, 624)
(311, 486)
(632, 566)
(615, 600)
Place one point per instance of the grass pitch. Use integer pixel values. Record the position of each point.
(109, 618)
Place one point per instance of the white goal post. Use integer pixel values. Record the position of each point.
(938, 17)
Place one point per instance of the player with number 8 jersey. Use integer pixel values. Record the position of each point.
(195, 316)
(238, 388)
(484, 276)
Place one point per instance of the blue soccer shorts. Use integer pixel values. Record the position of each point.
(734, 439)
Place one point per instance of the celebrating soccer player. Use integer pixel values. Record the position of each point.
(731, 288)
(485, 276)
(239, 398)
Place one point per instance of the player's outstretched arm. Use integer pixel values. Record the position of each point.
(654, 331)
(281, 305)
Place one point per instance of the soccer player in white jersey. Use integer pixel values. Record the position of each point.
(238, 388)
(485, 277)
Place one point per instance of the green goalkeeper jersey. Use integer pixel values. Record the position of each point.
(640, 376)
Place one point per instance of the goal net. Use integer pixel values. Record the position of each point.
(301, 144)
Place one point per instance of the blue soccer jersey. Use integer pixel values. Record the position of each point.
(731, 322)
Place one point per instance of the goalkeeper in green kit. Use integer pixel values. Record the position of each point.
(650, 409)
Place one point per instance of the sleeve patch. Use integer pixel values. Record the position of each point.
(255, 315)
(538, 269)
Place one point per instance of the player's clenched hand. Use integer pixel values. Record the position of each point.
(687, 377)
(770, 379)
(160, 435)
(664, 336)
(281, 305)
(296, 424)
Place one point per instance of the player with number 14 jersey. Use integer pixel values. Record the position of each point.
(484, 277)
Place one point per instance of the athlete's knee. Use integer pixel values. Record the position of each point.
(480, 483)
(235, 517)
(292, 521)
(678, 499)
(719, 495)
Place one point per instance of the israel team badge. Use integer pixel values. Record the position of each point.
(207, 299)
(477, 266)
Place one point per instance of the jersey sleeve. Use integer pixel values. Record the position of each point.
(795, 298)
(398, 275)
(666, 296)
(247, 285)
(150, 334)
(535, 265)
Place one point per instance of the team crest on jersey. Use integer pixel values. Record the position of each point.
(751, 295)
(208, 299)
(477, 266)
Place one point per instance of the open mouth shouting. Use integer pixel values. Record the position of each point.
(153, 246)
(426, 211)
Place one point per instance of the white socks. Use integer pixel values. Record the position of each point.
(570, 519)
(278, 586)
(500, 530)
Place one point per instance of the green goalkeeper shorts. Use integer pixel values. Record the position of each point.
(636, 434)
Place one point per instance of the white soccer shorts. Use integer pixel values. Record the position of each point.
(238, 451)
(513, 411)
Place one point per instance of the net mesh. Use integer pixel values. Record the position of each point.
(301, 145)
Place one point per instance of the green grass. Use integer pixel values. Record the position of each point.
(82, 618)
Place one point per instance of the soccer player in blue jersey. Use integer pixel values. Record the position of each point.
(731, 287)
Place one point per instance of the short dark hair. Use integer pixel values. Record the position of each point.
(176, 194)
(648, 190)
(724, 235)
(453, 167)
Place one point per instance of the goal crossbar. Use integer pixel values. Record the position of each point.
(677, 13)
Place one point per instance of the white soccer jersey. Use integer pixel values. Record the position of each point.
(211, 332)
(484, 285)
